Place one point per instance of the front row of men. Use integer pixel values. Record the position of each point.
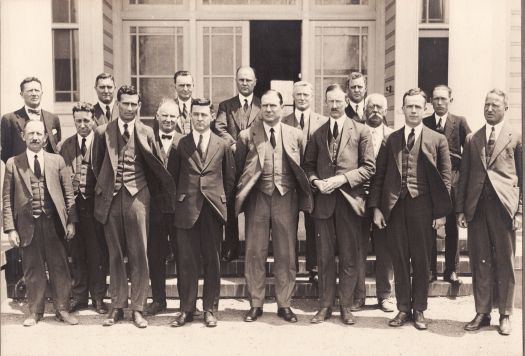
(190, 182)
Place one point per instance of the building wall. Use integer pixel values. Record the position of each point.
(514, 76)
(390, 60)
(107, 28)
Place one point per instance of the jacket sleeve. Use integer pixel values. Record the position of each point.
(366, 165)
(464, 130)
(98, 150)
(67, 191)
(221, 125)
(443, 163)
(241, 151)
(228, 173)
(518, 158)
(8, 197)
(6, 138)
(378, 180)
(463, 176)
(310, 158)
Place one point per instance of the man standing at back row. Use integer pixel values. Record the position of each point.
(106, 108)
(184, 89)
(356, 91)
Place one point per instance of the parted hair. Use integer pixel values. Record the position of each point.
(83, 106)
(29, 80)
(104, 76)
(127, 90)
(414, 91)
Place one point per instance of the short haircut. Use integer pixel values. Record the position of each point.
(29, 80)
(269, 91)
(166, 100)
(381, 98)
(333, 87)
(35, 122)
(127, 90)
(500, 93)
(303, 83)
(443, 86)
(104, 76)
(245, 67)
(353, 76)
(202, 102)
(415, 91)
(181, 73)
(84, 107)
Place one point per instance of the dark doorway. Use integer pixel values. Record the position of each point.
(275, 52)
(433, 63)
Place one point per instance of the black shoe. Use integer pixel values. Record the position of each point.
(181, 319)
(479, 321)
(100, 306)
(346, 316)
(209, 319)
(77, 304)
(33, 318)
(196, 312)
(229, 255)
(115, 315)
(253, 314)
(452, 278)
(400, 319)
(419, 320)
(314, 277)
(154, 308)
(322, 315)
(432, 277)
(287, 314)
(357, 305)
(62, 315)
(504, 325)
(138, 319)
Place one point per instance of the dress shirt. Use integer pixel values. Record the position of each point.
(443, 119)
(31, 159)
(276, 131)
(188, 107)
(33, 117)
(205, 138)
(340, 124)
(497, 130)
(417, 131)
(103, 106)
(89, 139)
(360, 109)
(306, 116)
(131, 126)
(166, 142)
(378, 133)
(242, 98)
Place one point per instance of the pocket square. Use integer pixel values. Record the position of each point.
(54, 131)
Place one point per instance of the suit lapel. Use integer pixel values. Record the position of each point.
(503, 140)
(111, 143)
(348, 131)
(21, 119)
(397, 148)
(286, 138)
(48, 123)
(76, 154)
(50, 171)
(259, 139)
(24, 170)
(256, 107)
(213, 148)
(450, 126)
(479, 141)
(191, 150)
(236, 112)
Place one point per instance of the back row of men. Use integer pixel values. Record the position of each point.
(134, 189)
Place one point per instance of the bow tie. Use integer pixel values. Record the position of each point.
(33, 111)
(166, 137)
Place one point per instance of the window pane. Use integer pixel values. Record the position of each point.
(65, 58)
(222, 89)
(152, 91)
(64, 11)
(222, 59)
(156, 54)
(341, 54)
(435, 11)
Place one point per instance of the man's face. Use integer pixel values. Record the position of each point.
(83, 122)
(272, 110)
(414, 109)
(128, 107)
(302, 95)
(245, 81)
(494, 109)
(441, 101)
(375, 111)
(32, 94)
(184, 87)
(34, 135)
(357, 89)
(105, 89)
(167, 117)
(201, 118)
(336, 102)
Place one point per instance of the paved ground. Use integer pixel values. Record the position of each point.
(267, 336)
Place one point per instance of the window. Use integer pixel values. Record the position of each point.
(433, 11)
(65, 50)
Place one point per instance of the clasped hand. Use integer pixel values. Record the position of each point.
(328, 185)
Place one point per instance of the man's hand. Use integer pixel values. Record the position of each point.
(14, 239)
(379, 219)
(321, 185)
(438, 223)
(335, 182)
(517, 221)
(70, 231)
(461, 221)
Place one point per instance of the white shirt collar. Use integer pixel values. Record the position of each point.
(276, 130)
(31, 159)
(443, 118)
(103, 106)
(417, 131)
(497, 129)
(242, 98)
(187, 102)
(306, 114)
(89, 139)
(31, 115)
(360, 109)
(340, 123)
(205, 137)
(131, 126)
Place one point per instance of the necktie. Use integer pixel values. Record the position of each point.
(301, 122)
(245, 106)
(439, 128)
(411, 139)
(108, 113)
(357, 110)
(200, 147)
(272, 138)
(37, 169)
(126, 133)
(33, 111)
(166, 137)
(184, 111)
(83, 147)
(336, 131)
(490, 143)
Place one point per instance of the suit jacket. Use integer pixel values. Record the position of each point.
(100, 114)
(163, 155)
(228, 124)
(17, 194)
(386, 186)
(504, 171)
(13, 126)
(70, 151)
(349, 111)
(179, 127)
(316, 121)
(105, 160)
(355, 160)
(249, 162)
(212, 180)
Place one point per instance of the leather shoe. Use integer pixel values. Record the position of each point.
(138, 319)
(196, 312)
(346, 316)
(478, 321)
(400, 319)
(419, 320)
(322, 315)
(504, 325)
(432, 277)
(229, 255)
(209, 319)
(253, 314)
(64, 316)
(181, 319)
(357, 305)
(115, 315)
(154, 308)
(314, 277)
(33, 318)
(287, 314)
(386, 305)
(77, 304)
(452, 278)
(100, 306)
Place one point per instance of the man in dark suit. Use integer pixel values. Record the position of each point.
(308, 122)
(204, 172)
(127, 166)
(106, 108)
(161, 231)
(234, 115)
(339, 158)
(271, 190)
(88, 250)
(184, 88)
(356, 92)
(38, 210)
(455, 128)
(410, 197)
(489, 203)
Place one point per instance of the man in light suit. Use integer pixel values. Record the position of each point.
(184, 88)
(410, 197)
(127, 166)
(375, 114)
(88, 250)
(489, 203)
(106, 108)
(39, 209)
(455, 128)
(234, 115)
(356, 92)
(307, 121)
(339, 159)
(271, 190)
(204, 172)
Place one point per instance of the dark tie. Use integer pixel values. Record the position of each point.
(245, 106)
(272, 138)
(301, 122)
(83, 147)
(33, 111)
(166, 137)
(200, 148)
(490, 143)
(108, 113)
(184, 111)
(411, 139)
(439, 128)
(126, 133)
(336, 131)
(37, 169)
